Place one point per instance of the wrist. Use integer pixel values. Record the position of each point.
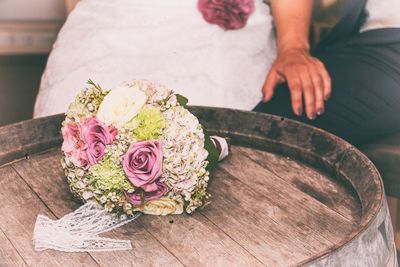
(296, 45)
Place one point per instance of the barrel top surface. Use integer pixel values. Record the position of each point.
(279, 199)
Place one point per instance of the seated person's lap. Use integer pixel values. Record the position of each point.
(365, 101)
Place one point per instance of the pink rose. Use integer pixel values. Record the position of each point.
(142, 164)
(97, 135)
(79, 158)
(228, 14)
(159, 191)
(73, 146)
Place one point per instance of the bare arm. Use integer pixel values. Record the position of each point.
(306, 76)
(70, 4)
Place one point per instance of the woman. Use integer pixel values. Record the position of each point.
(167, 41)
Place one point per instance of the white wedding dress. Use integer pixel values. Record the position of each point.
(167, 41)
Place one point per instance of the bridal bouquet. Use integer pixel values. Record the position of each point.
(136, 148)
(131, 150)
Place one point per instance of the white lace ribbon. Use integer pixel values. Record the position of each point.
(79, 231)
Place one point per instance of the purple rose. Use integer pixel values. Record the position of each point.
(97, 135)
(142, 164)
(228, 14)
(160, 190)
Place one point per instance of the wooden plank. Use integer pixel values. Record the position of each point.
(19, 210)
(194, 240)
(21, 139)
(273, 230)
(197, 241)
(259, 224)
(326, 190)
(9, 256)
(147, 251)
(28, 29)
(297, 205)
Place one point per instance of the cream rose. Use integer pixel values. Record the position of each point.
(121, 105)
(162, 206)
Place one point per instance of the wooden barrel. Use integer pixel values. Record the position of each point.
(288, 195)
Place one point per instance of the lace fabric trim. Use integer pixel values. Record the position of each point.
(79, 231)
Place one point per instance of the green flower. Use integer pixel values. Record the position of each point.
(109, 176)
(149, 124)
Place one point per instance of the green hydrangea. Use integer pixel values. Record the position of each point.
(149, 124)
(108, 176)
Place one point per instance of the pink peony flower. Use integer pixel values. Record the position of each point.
(142, 164)
(73, 146)
(228, 14)
(160, 190)
(97, 135)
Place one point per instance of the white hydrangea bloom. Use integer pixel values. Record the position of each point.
(185, 158)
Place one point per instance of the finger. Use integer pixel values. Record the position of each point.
(280, 79)
(294, 84)
(319, 101)
(269, 85)
(326, 78)
(318, 84)
(308, 92)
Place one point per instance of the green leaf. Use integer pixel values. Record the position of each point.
(213, 154)
(91, 82)
(181, 100)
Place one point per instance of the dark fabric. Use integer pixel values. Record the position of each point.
(376, 37)
(365, 101)
(352, 18)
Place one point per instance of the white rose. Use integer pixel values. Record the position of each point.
(121, 105)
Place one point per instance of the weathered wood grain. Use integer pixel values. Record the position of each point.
(21, 139)
(210, 246)
(197, 241)
(8, 254)
(44, 175)
(260, 210)
(260, 224)
(19, 209)
(194, 240)
(323, 188)
(297, 205)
